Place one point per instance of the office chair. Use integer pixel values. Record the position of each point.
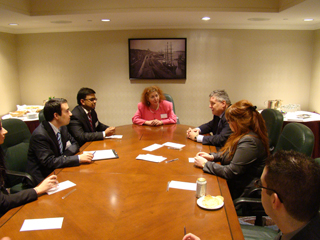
(170, 99)
(274, 120)
(15, 147)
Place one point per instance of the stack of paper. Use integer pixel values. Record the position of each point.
(173, 145)
(150, 157)
(183, 185)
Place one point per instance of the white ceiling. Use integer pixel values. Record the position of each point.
(159, 18)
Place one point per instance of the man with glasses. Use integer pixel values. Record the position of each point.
(290, 185)
(84, 125)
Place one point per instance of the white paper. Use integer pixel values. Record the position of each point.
(152, 147)
(173, 145)
(183, 185)
(296, 116)
(191, 160)
(61, 186)
(41, 224)
(150, 157)
(102, 154)
(114, 136)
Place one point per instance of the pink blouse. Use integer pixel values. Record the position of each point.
(164, 113)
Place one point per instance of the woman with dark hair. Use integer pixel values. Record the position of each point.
(154, 110)
(243, 156)
(8, 201)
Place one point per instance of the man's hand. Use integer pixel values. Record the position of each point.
(86, 157)
(110, 131)
(193, 133)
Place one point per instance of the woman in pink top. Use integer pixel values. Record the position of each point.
(154, 110)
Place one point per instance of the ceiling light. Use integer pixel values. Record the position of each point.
(205, 18)
(308, 19)
(13, 24)
(105, 20)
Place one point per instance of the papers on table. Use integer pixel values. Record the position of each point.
(114, 136)
(150, 157)
(103, 154)
(301, 116)
(152, 147)
(183, 185)
(61, 186)
(191, 160)
(41, 224)
(167, 144)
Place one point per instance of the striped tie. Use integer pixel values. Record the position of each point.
(60, 142)
(90, 120)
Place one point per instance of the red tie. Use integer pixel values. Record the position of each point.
(90, 120)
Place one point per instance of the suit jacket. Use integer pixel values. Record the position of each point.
(44, 154)
(221, 131)
(9, 201)
(246, 165)
(80, 128)
(310, 231)
(164, 113)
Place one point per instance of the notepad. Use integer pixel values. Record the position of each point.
(41, 224)
(150, 158)
(103, 154)
(183, 185)
(114, 136)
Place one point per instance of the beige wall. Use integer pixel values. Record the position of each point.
(249, 64)
(10, 90)
(315, 82)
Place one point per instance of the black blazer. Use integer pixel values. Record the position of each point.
(221, 132)
(80, 129)
(44, 154)
(9, 201)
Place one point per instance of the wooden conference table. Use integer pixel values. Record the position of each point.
(126, 198)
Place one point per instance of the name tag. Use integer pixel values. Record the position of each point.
(164, 115)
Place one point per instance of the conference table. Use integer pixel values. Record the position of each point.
(126, 198)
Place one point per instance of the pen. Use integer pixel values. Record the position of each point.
(168, 186)
(93, 152)
(185, 230)
(174, 148)
(68, 193)
(172, 160)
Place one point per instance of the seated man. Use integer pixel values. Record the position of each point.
(84, 125)
(219, 127)
(51, 145)
(290, 185)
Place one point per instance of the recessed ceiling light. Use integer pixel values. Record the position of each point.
(13, 24)
(205, 18)
(105, 20)
(258, 19)
(308, 19)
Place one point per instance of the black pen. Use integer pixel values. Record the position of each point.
(185, 230)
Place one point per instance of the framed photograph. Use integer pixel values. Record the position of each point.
(157, 58)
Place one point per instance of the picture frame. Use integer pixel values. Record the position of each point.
(157, 58)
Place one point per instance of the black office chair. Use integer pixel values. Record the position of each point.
(15, 147)
(170, 99)
(295, 136)
(274, 120)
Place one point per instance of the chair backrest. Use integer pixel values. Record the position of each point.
(297, 137)
(274, 120)
(16, 144)
(170, 99)
(41, 116)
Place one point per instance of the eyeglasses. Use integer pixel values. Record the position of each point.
(92, 99)
(258, 184)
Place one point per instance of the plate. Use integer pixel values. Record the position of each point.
(199, 202)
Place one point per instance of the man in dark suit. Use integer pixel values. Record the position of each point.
(84, 125)
(290, 185)
(219, 127)
(51, 145)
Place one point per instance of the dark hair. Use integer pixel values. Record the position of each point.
(146, 93)
(246, 118)
(53, 106)
(82, 94)
(296, 178)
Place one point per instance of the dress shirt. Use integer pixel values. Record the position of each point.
(86, 111)
(200, 137)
